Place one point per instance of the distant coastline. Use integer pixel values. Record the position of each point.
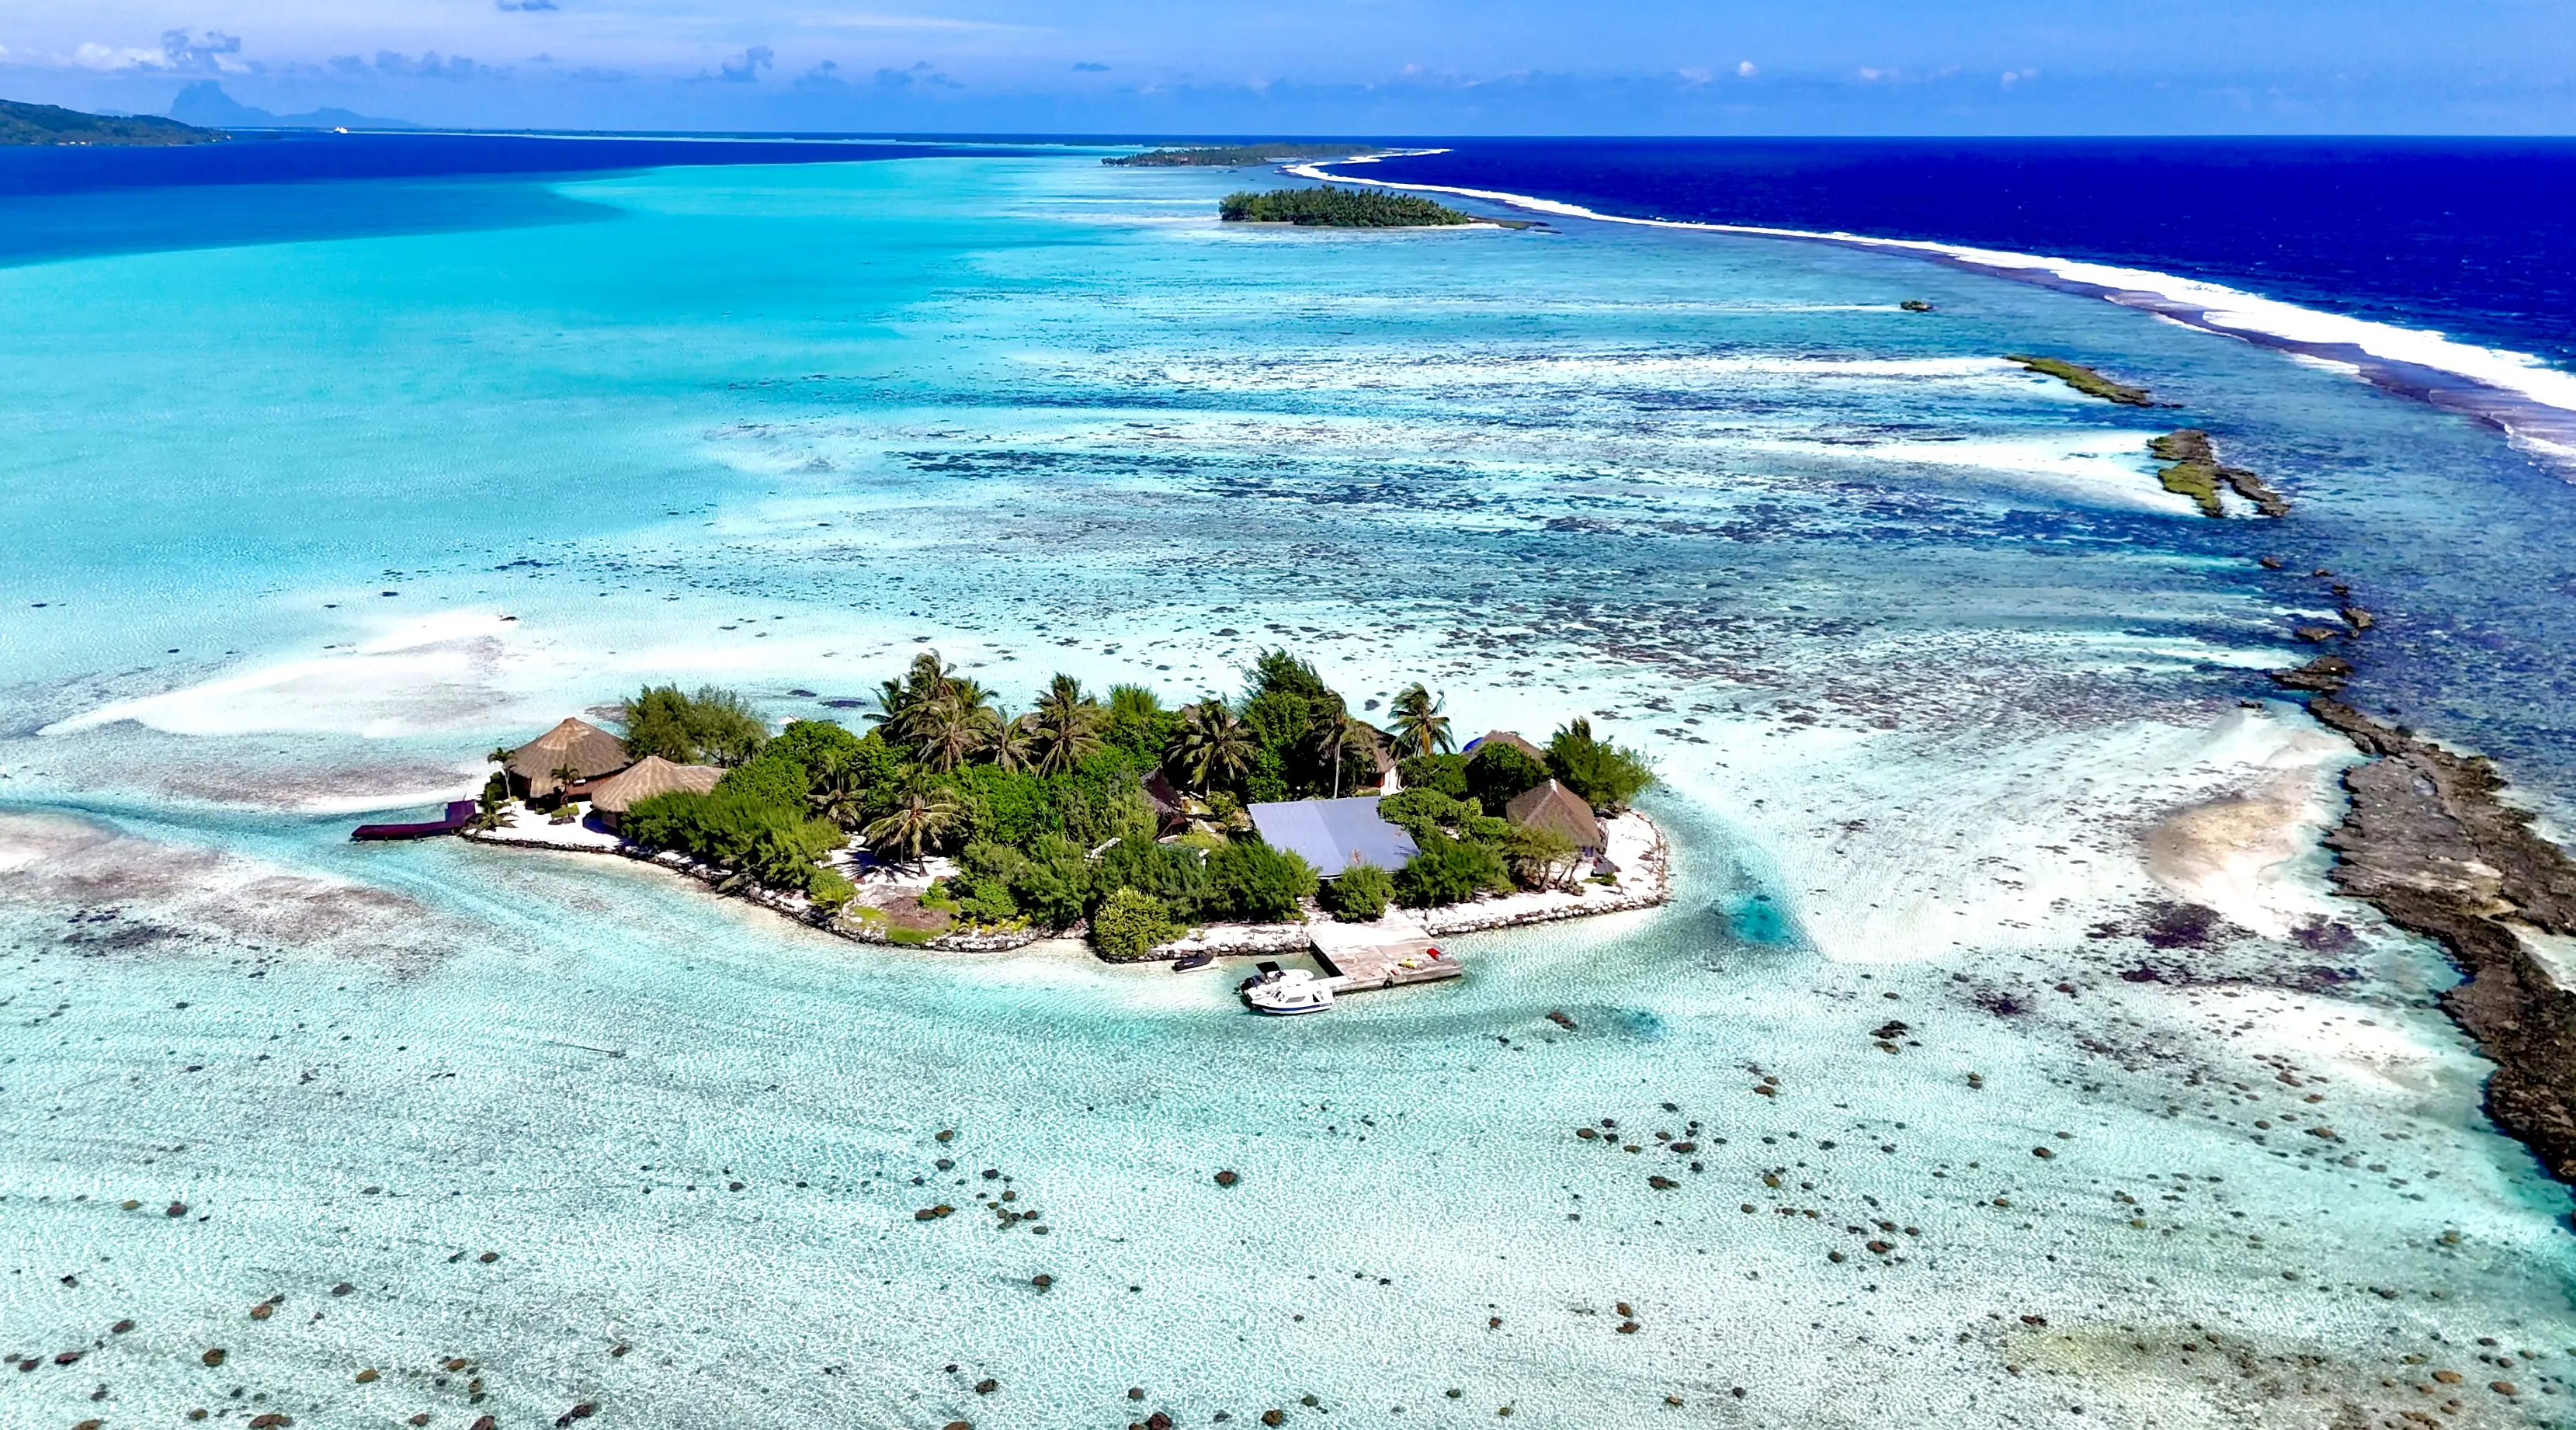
(39, 125)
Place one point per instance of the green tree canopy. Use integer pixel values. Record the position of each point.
(1449, 871)
(1258, 884)
(1360, 894)
(712, 727)
(1500, 771)
(1610, 776)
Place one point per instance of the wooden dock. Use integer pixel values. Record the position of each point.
(1392, 954)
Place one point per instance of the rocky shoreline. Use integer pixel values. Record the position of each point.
(2429, 842)
(1653, 887)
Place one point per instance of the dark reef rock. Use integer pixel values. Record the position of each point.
(2197, 473)
(2324, 675)
(2430, 843)
(2084, 379)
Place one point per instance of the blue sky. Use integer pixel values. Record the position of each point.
(1333, 66)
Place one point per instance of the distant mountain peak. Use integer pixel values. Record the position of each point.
(205, 102)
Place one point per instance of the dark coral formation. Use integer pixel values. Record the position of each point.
(2197, 473)
(2431, 844)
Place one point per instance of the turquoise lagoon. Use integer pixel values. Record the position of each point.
(1956, 709)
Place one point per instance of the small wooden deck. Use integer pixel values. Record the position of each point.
(1359, 959)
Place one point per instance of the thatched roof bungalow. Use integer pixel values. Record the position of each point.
(1505, 737)
(586, 749)
(1558, 810)
(647, 777)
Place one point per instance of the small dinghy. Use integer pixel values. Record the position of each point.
(1189, 961)
(1294, 991)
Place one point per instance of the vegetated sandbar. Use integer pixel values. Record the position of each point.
(2196, 472)
(2084, 380)
(1237, 156)
(1224, 826)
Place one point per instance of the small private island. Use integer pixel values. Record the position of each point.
(1277, 823)
(48, 124)
(1327, 207)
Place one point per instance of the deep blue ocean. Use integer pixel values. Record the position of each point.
(2473, 237)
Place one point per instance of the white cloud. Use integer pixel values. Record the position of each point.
(95, 56)
(1746, 69)
(1698, 74)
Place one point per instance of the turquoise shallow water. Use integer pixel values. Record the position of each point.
(1926, 657)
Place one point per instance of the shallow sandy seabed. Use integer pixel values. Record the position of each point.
(1945, 692)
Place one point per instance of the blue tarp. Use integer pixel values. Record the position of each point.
(1333, 834)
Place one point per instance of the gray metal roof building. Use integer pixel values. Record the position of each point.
(1333, 834)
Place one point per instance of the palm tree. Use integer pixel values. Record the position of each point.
(1419, 724)
(1212, 747)
(1065, 725)
(921, 819)
(1338, 733)
(1008, 740)
(838, 795)
(903, 705)
(949, 730)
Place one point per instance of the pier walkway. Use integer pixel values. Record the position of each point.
(1391, 953)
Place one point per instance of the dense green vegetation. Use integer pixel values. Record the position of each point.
(1235, 156)
(1047, 811)
(2084, 380)
(52, 124)
(1360, 894)
(1607, 776)
(1329, 207)
(712, 727)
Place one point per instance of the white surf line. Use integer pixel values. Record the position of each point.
(2533, 402)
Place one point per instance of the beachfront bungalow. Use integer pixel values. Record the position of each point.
(1558, 810)
(1171, 811)
(612, 797)
(1504, 737)
(1333, 834)
(585, 749)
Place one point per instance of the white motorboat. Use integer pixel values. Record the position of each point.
(1292, 991)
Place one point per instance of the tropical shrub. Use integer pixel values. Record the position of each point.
(1360, 894)
(1425, 813)
(1258, 884)
(1175, 877)
(712, 727)
(1053, 888)
(1445, 774)
(778, 846)
(1449, 871)
(829, 890)
(1500, 771)
(1538, 858)
(1607, 775)
(1129, 923)
(1268, 782)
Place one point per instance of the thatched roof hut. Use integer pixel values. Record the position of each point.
(587, 749)
(647, 777)
(1505, 737)
(1558, 810)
